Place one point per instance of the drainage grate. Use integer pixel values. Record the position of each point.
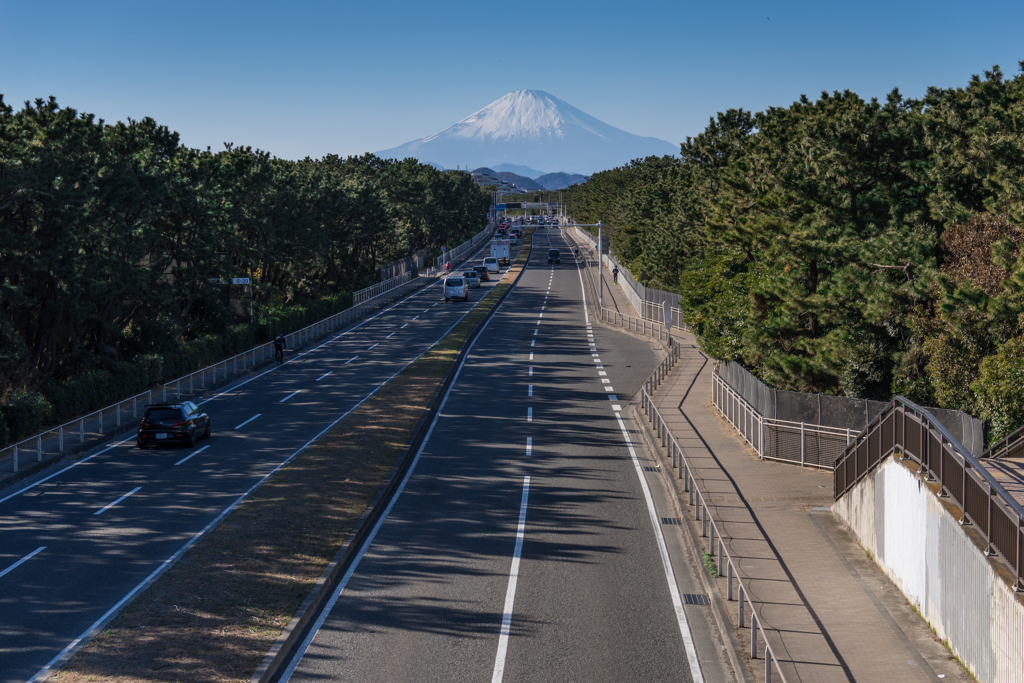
(695, 599)
(652, 469)
(670, 520)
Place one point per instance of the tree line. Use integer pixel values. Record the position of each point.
(111, 233)
(844, 246)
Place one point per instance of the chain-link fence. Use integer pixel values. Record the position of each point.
(812, 429)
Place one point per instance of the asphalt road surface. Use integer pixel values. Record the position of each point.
(76, 542)
(531, 540)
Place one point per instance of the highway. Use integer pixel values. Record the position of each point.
(78, 541)
(533, 538)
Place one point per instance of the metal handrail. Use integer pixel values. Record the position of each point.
(888, 432)
(1010, 446)
(249, 358)
(702, 513)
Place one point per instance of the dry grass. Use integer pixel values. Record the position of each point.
(214, 615)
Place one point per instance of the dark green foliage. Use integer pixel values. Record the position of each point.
(109, 235)
(843, 246)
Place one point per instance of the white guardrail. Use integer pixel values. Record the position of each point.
(100, 424)
(457, 253)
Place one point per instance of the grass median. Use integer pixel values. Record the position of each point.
(214, 614)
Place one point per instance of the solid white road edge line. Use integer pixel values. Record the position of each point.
(110, 505)
(666, 562)
(510, 593)
(23, 560)
(329, 607)
(248, 421)
(196, 452)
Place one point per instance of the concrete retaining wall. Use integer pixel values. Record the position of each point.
(923, 549)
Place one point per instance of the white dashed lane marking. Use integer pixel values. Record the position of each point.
(196, 452)
(324, 375)
(248, 421)
(23, 560)
(110, 505)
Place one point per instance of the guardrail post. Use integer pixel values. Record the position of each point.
(118, 414)
(753, 635)
(728, 580)
(15, 456)
(711, 540)
(803, 439)
(164, 387)
(39, 449)
(81, 430)
(101, 421)
(721, 553)
(60, 439)
(135, 408)
(767, 665)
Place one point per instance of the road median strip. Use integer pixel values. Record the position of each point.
(254, 581)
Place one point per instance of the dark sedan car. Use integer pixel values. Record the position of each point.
(554, 256)
(483, 273)
(173, 423)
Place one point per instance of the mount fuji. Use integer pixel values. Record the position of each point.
(535, 129)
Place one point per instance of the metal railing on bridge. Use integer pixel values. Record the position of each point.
(911, 432)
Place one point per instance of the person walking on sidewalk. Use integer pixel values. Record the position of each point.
(615, 275)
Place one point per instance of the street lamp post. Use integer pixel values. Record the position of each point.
(600, 270)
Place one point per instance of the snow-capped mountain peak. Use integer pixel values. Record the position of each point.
(534, 128)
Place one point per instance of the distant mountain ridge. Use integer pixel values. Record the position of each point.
(519, 181)
(548, 181)
(535, 129)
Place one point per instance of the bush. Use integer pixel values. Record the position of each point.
(97, 387)
(25, 415)
(999, 390)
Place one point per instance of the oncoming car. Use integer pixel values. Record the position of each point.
(456, 288)
(172, 423)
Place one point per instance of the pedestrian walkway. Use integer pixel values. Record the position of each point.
(831, 614)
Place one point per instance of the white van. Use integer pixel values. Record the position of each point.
(492, 264)
(456, 288)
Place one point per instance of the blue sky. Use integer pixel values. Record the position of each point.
(312, 78)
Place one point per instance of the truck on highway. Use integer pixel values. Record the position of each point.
(500, 251)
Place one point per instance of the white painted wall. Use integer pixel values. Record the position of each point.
(922, 548)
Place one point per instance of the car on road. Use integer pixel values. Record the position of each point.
(472, 278)
(482, 272)
(553, 256)
(491, 263)
(455, 288)
(181, 422)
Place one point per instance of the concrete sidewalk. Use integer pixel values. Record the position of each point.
(831, 614)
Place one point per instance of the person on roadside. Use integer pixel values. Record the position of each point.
(615, 275)
(447, 268)
(279, 346)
